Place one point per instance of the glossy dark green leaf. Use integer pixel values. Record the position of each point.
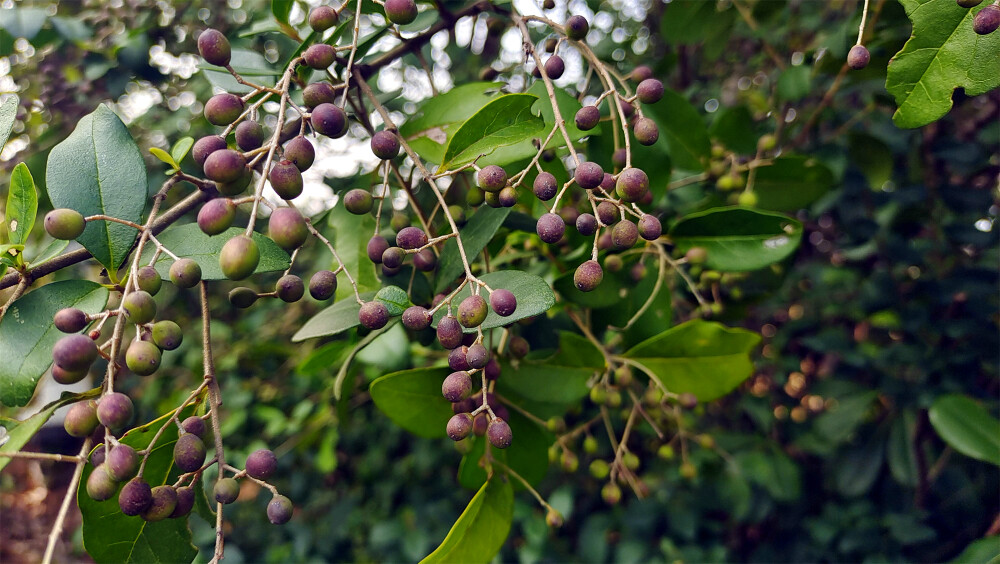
(476, 234)
(856, 470)
(683, 128)
(734, 128)
(967, 427)
(791, 183)
(394, 298)
(506, 120)
(688, 23)
(528, 454)
(281, 9)
(738, 239)
(22, 205)
(533, 296)
(8, 114)
(986, 549)
(900, 452)
(27, 334)
(439, 117)
(704, 358)
(413, 400)
(613, 289)
(561, 378)
(188, 241)
(339, 317)
(943, 54)
(98, 170)
(52, 250)
(20, 432)
(482, 528)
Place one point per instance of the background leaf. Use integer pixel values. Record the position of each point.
(683, 129)
(350, 234)
(339, 317)
(506, 120)
(791, 183)
(738, 239)
(413, 400)
(22, 205)
(428, 131)
(8, 113)
(967, 427)
(189, 241)
(476, 234)
(482, 528)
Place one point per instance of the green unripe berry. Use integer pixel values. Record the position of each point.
(611, 493)
(239, 257)
(569, 461)
(472, 311)
(140, 306)
(492, 178)
(358, 201)
(81, 419)
(556, 424)
(167, 335)
(226, 490)
(688, 471)
(163, 504)
(100, 485)
(666, 452)
(590, 445)
(148, 280)
(553, 518)
(598, 395)
(747, 199)
(185, 273)
(631, 461)
(279, 510)
(600, 469)
(64, 224)
(142, 357)
(242, 297)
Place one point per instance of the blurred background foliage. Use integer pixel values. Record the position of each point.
(825, 454)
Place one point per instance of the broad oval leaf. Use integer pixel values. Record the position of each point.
(683, 129)
(738, 239)
(22, 205)
(350, 234)
(412, 399)
(943, 54)
(533, 297)
(98, 170)
(8, 113)
(482, 528)
(394, 298)
(188, 241)
(439, 117)
(339, 317)
(791, 183)
(506, 120)
(20, 432)
(27, 334)
(559, 379)
(475, 234)
(967, 427)
(528, 454)
(704, 358)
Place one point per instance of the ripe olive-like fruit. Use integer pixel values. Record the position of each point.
(216, 215)
(492, 178)
(457, 358)
(459, 426)
(318, 93)
(619, 157)
(75, 352)
(457, 386)
(858, 57)
(638, 271)
(323, 285)
(206, 146)
(519, 347)
(588, 276)
(249, 135)
(401, 12)
(70, 320)
(641, 72)
(279, 510)
(425, 260)
(479, 424)
(286, 179)
(300, 152)
(322, 18)
(319, 56)
(632, 184)
(185, 273)
(416, 318)
(226, 490)
(289, 288)
(587, 118)
(624, 234)
(393, 257)
(328, 119)
(449, 332)
(472, 311)
(385, 145)
(239, 257)
(185, 502)
(242, 297)
(261, 464)
(503, 302)
(613, 263)
(607, 213)
(224, 109)
(499, 433)
(100, 485)
(115, 410)
(189, 452)
(163, 504)
(649, 91)
(194, 425)
(214, 47)
(66, 377)
(237, 186)
(287, 228)
(577, 27)
(122, 462)
(148, 280)
(411, 238)
(136, 496)
(140, 306)
(64, 224)
(545, 186)
(373, 315)
(555, 67)
(627, 108)
(586, 224)
(477, 356)
(550, 228)
(142, 357)
(358, 201)
(81, 419)
(589, 175)
(646, 132)
(507, 197)
(225, 165)
(650, 228)
(987, 20)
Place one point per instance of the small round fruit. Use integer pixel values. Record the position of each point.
(100, 485)
(239, 257)
(373, 315)
(492, 178)
(206, 146)
(858, 57)
(987, 20)
(189, 452)
(457, 386)
(287, 228)
(619, 157)
(328, 119)
(148, 280)
(185, 273)
(611, 493)
(136, 496)
(650, 228)
(74, 352)
(70, 320)
(122, 462)
(519, 347)
(358, 201)
(480, 423)
(279, 510)
(588, 276)
(747, 199)
(249, 135)
(142, 357)
(507, 197)
(67, 377)
(587, 118)
(238, 186)
(140, 306)
(492, 369)
(555, 67)
(323, 285)
(226, 490)
(586, 224)
(577, 27)
(300, 152)
(81, 419)
(589, 175)
(472, 311)
(261, 464)
(459, 426)
(319, 56)
(214, 47)
(115, 410)
(411, 238)
(401, 12)
(649, 91)
(242, 297)
(457, 358)
(646, 132)
(687, 400)
(607, 213)
(64, 224)
(425, 260)
(185, 502)
(322, 18)
(225, 165)
(503, 302)
(632, 184)
(449, 332)
(223, 109)
(969, 3)
(163, 505)
(194, 425)
(318, 93)
(416, 318)
(385, 145)
(545, 186)
(499, 433)
(624, 234)
(477, 356)
(216, 216)
(289, 288)
(393, 257)
(613, 263)
(641, 72)
(550, 228)
(286, 180)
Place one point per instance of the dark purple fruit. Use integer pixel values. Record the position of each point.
(425, 260)
(81, 419)
(401, 12)
(205, 147)
(185, 502)
(411, 238)
(624, 234)
(100, 485)
(249, 135)
(148, 280)
(242, 297)
(618, 157)
(393, 257)
(472, 311)
(588, 276)
(987, 20)
(586, 224)
(189, 452)
(503, 302)
(136, 496)
(358, 201)
(67, 377)
(319, 56)
(969, 3)
(75, 352)
(555, 67)
(376, 246)
(223, 109)
(480, 423)
(477, 356)
(122, 462)
(286, 179)
(459, 426)
(238, 186)
(279, 510)
(225, 165)
(545, 186)
(577, 27)
(239, 257)
(416, 318)
(646, 132)
(519, 347)
(318, 93)
(329, 120)
(214, 47)
(449, 332)
(649, 91)
(385, 145)
(322, 18)
(301, 152)
(115, 410)
(64, 224)
(507, 197)
(70, 320)
(607, 213)
(589, 175)
(457, 360)
(492, 178)
(185, 273)
(163, 505)
(373, 315)
(457, 386)
(323, 285)
(226, 490)
(499, 433)
(289, 288)
(858, 57)
(550, 228)
(194, 425)
(142, 357)
(587, 118)
(650, 228)
(216, 216)
(261, 464)
(632, 184)
(287, 228)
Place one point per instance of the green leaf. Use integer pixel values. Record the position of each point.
(9, 252)
(533, 297)
(734, 128)
(27, 334)
(412, 399)
(394, 298)
(793, 83)
(181, 148)
(900, 452)
(22, 205)
(986, 549)
(689, 23)
(967, 427)
(738, 239)
(559, 379)
(482, 528)
(98, 170)
(165, 157)
(188, 241)
(350, 234)
(506, 120)
(528, 454)
(612, 290)
(476, 234)
(20, 432)
(247, 63)
(281, 9)
(872, 156)
(111, 536)
(682, 127)
(791, 183)
(441, 115)
(943, 54)
(339, 317)
(704, 358)
(8, 113)
(51, 251)
(23, 22)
